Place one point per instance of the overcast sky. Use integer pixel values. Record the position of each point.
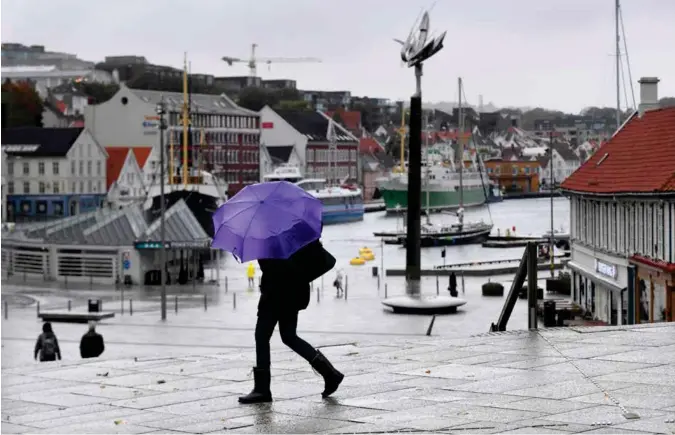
(550, 53)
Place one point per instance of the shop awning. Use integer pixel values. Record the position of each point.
(612, 285)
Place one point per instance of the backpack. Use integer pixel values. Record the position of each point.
(48, 347)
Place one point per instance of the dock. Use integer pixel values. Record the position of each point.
(374, 206)
(521, 242)
(74, 317)
(480, 268)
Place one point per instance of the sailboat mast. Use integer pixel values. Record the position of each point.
(402, 134)
(186, 121)
(460, 141)
(426, 147)
(618, 63)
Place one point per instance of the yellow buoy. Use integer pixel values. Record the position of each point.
(364, 250)
(357, 261)
(368, 256)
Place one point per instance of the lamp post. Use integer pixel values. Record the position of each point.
(552, 185)
(161, 110)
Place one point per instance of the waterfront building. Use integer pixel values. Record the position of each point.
(308, 132)
(224, 141)
(623, 219)
(125, 181)
(52, 172)
(514, 175)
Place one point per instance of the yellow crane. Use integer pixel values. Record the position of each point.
(253, 61)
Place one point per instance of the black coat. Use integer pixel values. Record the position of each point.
(91, 345)
(282, 288)
(453, 281)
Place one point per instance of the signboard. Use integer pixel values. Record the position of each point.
(267, 125)
(126, 260)
(150, 124)
(606, 269)
(174, 245)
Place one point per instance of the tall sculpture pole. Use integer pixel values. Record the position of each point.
(415, 50)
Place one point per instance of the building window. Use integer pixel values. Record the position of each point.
(55, 168)
(56, 187)
(10, 168)
(73, 168)
(26, 168)
(26, 187)
(81, 186)
(88, 150)
(98, 186)
(98, 168)
(41, 168)
(514, 170)
(10, 188)
(81, 167)
(41, 187)
(89, 167)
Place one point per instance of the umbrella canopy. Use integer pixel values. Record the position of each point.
(267, 220)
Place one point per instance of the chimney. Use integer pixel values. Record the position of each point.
(649, 94)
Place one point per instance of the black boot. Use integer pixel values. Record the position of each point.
(332, 378)
(261, 388)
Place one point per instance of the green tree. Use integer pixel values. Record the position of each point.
(257, 98)
(21, 105)
(293, 105)
(99, 92)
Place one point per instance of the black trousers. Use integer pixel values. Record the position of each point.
(288, 324)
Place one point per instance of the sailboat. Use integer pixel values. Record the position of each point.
(458, 233)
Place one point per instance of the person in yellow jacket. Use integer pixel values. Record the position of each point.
(250, 273)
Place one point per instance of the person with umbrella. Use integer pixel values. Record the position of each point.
(278, 224)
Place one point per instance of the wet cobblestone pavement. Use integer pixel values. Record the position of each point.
(575, 380)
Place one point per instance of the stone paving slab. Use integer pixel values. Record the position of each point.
(548, 381)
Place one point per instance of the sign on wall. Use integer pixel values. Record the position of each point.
(150, 124)
(126, 260)
(606, 269)
(267, 125)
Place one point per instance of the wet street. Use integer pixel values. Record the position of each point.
(228, 322)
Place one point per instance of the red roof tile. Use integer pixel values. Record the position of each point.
(351, 120)
(368, 145)
(116, 158)
(141, 154)
(638, 159)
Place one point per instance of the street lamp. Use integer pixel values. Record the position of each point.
(161, 110)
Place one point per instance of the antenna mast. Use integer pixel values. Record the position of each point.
(618, 64)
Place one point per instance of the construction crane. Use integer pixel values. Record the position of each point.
(253, 61)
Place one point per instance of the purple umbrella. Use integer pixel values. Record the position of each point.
(267, 220)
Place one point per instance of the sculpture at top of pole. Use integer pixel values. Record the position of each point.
(417, 48)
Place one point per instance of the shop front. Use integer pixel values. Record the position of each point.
(654, 290)
(600, 283)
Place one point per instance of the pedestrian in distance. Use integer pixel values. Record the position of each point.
(91, 345)
(250, 273)
(338, 284)
(47, 345)
(452, 285)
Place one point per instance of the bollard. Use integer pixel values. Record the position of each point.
(234, 300)
(462, 282)
(131, 307)
(318, 296)
(346, 291)
(38, 308)
(6, 310)
(321, 282)
(175, 303)
(346, 283)
(69, 305)
(378, 280)
(438, 291)
(431, 325)
(385, 290)
(122, 302)
(225, 284)
(205, 302)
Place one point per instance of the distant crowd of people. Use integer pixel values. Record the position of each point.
(47, 345)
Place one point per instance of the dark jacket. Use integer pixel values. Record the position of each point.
(91, 345)
(40, 346)
(453, 281)
(281, 288)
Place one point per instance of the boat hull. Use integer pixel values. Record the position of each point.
(397, 200)
(201, 205)
(341, 214)
(468, 238)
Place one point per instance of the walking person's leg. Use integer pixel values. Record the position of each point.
(288, 325)
(261, 392)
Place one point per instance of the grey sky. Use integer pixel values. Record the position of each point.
(551, 53)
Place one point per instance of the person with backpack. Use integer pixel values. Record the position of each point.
(47, 345)
(91, 345)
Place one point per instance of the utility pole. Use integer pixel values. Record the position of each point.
(161, 110)
(552, 185)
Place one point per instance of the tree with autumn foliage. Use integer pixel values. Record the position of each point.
(21, 105)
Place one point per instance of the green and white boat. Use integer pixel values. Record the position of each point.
(440, 183)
